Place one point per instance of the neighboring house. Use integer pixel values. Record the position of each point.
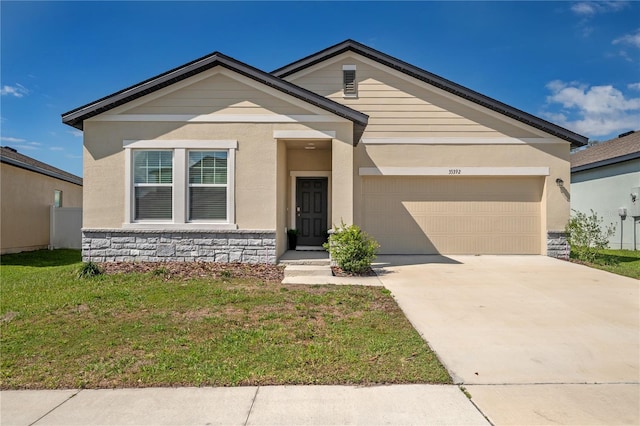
(215, 160)
(29, 189)
(605, 178)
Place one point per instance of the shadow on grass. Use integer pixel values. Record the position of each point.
(42, 258)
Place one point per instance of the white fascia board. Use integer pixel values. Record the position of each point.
(222, 118)
(173, 144)
(304, 134)
(458, 141)
(454, 171)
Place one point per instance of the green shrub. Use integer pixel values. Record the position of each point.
(351, 248)
(88, 270)
(586, 235)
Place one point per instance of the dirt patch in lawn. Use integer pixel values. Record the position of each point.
(339, 272)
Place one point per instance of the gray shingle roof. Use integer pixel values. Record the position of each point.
(610, 152)
(435, 80)
(14, 158)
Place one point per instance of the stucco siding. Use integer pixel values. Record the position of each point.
(605, 190)
(25, 209)
(255, 175)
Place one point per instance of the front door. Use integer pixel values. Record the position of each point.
(311, 211)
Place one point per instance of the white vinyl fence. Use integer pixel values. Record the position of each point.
(66, 228)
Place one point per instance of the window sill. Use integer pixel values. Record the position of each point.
(179, 226)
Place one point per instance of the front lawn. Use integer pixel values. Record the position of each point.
(158, 329)
(621, 262)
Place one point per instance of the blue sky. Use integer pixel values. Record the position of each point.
(576, 64)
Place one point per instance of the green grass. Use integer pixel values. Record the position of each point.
(621, 262)
(139, 330)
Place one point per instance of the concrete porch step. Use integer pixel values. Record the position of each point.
(307, 271)
(307, 262)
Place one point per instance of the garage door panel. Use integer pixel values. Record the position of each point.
(426, 215)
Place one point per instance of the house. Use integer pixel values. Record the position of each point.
(605, 178)
(215, 160)
(29, 189)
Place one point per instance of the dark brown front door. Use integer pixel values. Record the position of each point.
(311, 211)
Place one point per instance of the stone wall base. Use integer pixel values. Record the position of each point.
(225, 246)
(557, 245)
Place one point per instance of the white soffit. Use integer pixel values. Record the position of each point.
(454, 171)
(457, 141)
(304, 134)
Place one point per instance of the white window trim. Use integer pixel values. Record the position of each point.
(180, 189)
(294, 190)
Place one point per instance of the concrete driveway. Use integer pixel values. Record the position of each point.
(526, 334)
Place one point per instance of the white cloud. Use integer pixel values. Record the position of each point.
(35, 143)
(11, 140)
(593, 111)
(590, 8)
(18, 90)
(76, 133)
(583, 8)
(634, 86)
(632, 39)
(56, 148)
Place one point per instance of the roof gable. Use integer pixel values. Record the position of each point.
(432, 79)
(623, 148)
(77, 116)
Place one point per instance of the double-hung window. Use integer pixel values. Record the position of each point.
(208, 185)
(180, 183)
(153, 185)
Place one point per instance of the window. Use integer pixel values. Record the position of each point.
(208, 185)
(180, 183)
(57, 198)
(153, 185)
(349, 83)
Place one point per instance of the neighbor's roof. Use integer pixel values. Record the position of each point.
(434, 80)
(623, 148)
(76, 117)
(14, 158)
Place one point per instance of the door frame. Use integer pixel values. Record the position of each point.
(294, 190)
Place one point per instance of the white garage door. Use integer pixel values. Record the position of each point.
(453, 215)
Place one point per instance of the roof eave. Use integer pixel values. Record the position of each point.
(75, 180)
(607, 162)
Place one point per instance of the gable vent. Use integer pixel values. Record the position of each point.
(349, 84)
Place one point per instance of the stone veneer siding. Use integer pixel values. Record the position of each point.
(557, 245)
(225, 246)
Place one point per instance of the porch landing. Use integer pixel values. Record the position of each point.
(312, 267)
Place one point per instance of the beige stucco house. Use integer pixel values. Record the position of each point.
(29, 188)
(215, 160)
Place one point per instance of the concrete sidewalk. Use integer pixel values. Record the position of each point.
(263, 405)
